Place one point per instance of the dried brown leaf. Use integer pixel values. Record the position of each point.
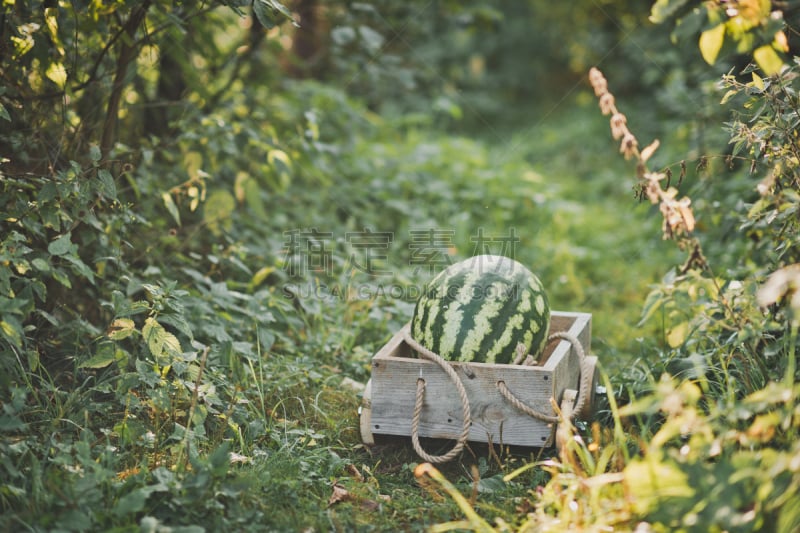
(687, 215)
(648, 151)
(780, 284)
(339, 494)
(353, 472)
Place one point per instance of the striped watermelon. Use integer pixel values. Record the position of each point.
(479, 309)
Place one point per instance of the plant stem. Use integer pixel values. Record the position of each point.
(192, 407)
(475, 522)
(791, 364)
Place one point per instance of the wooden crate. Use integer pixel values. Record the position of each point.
(388, 403)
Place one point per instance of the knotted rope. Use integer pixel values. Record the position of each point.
(586, 378)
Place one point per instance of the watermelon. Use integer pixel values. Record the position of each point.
(479, 309)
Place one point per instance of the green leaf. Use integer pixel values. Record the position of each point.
(247, 190)
(61, 245)
(664, 9)
(728, 95)
(57, 74)
(178, 322)
(33, 360)
(12, 331)
(270, 13)
(101, 360)
(676, 335)
(261, 275)
(757, 82)
(282, 167)
(80, 267)
(711, 43)
(169, 203)
(159, 340)
(372, 39)
(343, 35)
(789, 517)
(193, 162)
(264, 14)
(654, 301)
(107, 185)
(171, 344)
(4, 113)
(61, 277)
(768, 59)
(123, 307)
(219, 460)
(688, 27)
(133, 502)
(105, 355)
(652, 482)
(9, 423)
(492, 484)
(51, 216)
(217, 211)
(154, 334)
(41, 265)
(121, 328)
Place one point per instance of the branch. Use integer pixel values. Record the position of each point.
(255, 37)
(127, 54)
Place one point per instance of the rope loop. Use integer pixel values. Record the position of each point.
(419, 401)
(516, 402)
(586, 378)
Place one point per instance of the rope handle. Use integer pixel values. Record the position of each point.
(586, 378)
(462, 393)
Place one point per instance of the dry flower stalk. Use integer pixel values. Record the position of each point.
(678, 217)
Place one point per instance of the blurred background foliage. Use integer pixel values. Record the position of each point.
(164, 364)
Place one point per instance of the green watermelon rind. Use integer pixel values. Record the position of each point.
(479, 309)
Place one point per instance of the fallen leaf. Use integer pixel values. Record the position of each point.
(340, 494)
(370, 505)
(239, 458)
(353, 471)
(353, 385)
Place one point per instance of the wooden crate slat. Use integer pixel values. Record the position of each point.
(394, 386)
